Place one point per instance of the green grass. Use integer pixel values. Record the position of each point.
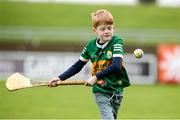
(37, 19)
(69, 102)
(42, 18)
(69, 15)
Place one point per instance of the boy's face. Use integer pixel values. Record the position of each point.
(104, 32)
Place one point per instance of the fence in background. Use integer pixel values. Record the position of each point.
(44, 65)
(52, 33)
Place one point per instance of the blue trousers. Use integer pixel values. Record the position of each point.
(108, 105)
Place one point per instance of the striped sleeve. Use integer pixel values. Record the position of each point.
(84, 55)
(118, 50)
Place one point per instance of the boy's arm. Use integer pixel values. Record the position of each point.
(115, 67)
(75, 68)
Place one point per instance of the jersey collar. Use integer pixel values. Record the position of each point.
(102, 46)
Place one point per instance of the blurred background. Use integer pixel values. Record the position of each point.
(42, 38)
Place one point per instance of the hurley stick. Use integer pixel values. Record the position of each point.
(17, 81)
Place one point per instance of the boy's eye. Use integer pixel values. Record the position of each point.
(109, 27)
(105, 27)
(102, 29)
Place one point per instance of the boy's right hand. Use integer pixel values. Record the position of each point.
(53, 82)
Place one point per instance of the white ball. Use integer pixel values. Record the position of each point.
(138, 53)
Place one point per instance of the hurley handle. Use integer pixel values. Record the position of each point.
(71, 82)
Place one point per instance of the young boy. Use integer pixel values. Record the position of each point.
(109, 76)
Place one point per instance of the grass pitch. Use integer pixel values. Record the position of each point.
(76, 102)
(74, 15)
(43, 22)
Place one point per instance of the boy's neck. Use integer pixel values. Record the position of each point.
(100, 42)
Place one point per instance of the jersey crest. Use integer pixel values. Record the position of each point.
(109, 54)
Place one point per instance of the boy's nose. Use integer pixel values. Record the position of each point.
(106, 30)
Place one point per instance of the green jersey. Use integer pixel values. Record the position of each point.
(101, 57)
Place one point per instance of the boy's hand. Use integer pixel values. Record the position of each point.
(53, 82)
(91, 81)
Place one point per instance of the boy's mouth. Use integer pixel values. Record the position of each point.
(107, 36)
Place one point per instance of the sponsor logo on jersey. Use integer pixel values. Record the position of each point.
(99, 66)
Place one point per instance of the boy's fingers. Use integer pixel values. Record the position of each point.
(49, 85)
(87, 84)
(52, 84)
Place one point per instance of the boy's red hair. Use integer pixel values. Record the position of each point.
(101, 17)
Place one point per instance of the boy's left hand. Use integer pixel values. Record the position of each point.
(91, 81)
